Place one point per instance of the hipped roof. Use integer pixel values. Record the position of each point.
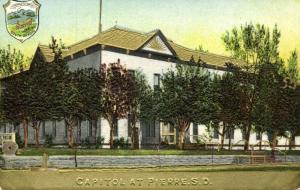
(133, 41)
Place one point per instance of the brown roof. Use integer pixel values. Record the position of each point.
(133, 40)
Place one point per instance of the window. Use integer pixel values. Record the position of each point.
(216, 134)
(79, 130)
(43, 129)
(66, 130)
(128, 125)
(53, 129)
(168, 133)
(258, 136)
(2, 127)
(156, 81)
(150, 129)
(229, 133)
(116, 134)
(195, 131)
(90, 128)
(10, 129)
(172, 128)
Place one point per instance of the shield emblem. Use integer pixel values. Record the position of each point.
(22, 18)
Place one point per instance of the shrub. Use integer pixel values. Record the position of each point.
(48, 141)
(19, 141)
(121, 143)
(86, 143)
(99, 142)
(116, 143)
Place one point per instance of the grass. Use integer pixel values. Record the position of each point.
(128, 152)
(227, 168)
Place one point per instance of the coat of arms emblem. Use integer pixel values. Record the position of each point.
(22, 18)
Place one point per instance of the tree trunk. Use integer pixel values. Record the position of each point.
(36, 127)
(70, 137)
(229, 135)
(260, 140)
(223, 137)
(247, 136)
(37, 136)
(113, 125)
(183, 126)
(181, 139)
(134, 135)
(71, 123)
(111, 138)
(94, 123)
(135, 138)
(273, 143)
(25, 127)
(292, 141)
(134, 131)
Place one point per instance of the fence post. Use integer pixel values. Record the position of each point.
(45, 161)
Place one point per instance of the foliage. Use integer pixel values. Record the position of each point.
(185, 98)
(117, 94)
(99, 142)
(292, 67)
(39, 96)
(14, 101)
(141, 107)
(121, 143)
(255, 45)
(48, 141)
(19, 141)
(86, 142)
(11, 61)
(76, 94)
(225, 90)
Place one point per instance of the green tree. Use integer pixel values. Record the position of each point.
(117, 94)
(39, 96)
(11, 61)
(292, 67)
(225, 96)
(89, 88)
(185, 98)
(141, 107)
(14, 102)
(276, 110)
(65, 94)
(292, 79)
(254, 45)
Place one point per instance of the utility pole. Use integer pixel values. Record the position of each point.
(100, 17)
(100, 61)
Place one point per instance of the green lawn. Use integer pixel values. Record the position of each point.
(128, 152)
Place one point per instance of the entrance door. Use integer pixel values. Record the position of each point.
(168, 133)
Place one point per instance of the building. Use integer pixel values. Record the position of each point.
(153, 54)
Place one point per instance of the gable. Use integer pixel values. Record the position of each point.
(157, 45)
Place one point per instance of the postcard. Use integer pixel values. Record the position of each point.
(160, 94)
